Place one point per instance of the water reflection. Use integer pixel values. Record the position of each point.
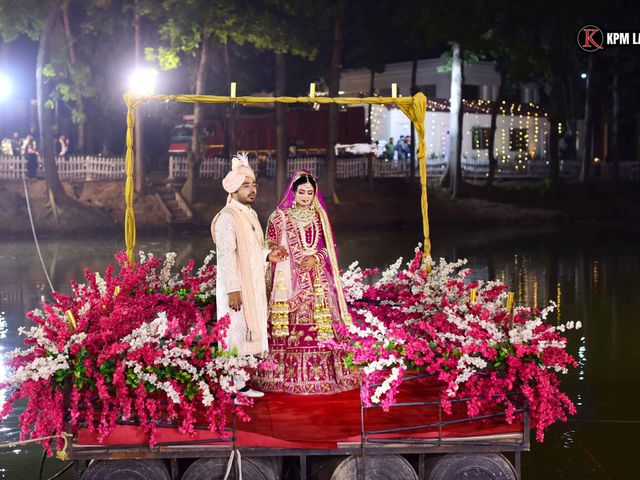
(592, 277)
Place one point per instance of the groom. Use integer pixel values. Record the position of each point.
(241, 266)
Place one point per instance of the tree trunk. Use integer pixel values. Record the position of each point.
(231, 146)
(334, 86)
(587, 151)
(553, 151)
(73, 63)
(615, 120)
(414, 90)
(282, 150)
(371, 159)
(196, 153)
(139, 139)
(455, 123)
(573, 120)
(556, 113)
(495, 106)
(54, 186)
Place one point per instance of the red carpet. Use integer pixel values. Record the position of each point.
(281, 420)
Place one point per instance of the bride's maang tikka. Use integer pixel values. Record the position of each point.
(308, 181)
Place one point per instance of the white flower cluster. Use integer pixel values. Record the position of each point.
(468, 366)
(148, 332)
(232, 367)
(152, 379)
(390, 274)
(39, 368)
(396, 364)
(206, 262)
(353, 283)
(569, 326)
(165, 278)
(376, 330)
(38, 334)
(101, 283)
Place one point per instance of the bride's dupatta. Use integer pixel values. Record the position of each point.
(289, 272)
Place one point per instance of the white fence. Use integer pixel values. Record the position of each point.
(358, 167)
(92, 167)
(77, 167)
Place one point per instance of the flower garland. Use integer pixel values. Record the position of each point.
(477, 348)
(145, 347)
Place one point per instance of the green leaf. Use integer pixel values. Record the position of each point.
(48, 71)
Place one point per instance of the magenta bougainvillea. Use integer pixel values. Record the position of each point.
(413, 320)
(145, 347)
(142, 344)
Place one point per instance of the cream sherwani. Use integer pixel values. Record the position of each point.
(228, 278)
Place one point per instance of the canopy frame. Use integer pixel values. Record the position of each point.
(413, 107)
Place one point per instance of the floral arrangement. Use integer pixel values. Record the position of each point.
(460, 332)
(141, 345)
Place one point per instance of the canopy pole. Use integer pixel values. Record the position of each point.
(129, 216)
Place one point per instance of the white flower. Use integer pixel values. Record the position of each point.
(207, 260)
(390, 274)
(165, 278)
(39, 368)
(353, 283)
(148, 332)
(101, 283)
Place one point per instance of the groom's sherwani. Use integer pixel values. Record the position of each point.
(241, 264)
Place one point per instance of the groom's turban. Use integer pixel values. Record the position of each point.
(240, 169)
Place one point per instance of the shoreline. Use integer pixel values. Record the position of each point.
(97, 208)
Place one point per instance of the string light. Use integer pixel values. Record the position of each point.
(527, 135)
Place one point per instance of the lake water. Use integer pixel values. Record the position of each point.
(592, 273)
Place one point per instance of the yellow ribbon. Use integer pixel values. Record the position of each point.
(72, 320)
(473, 293)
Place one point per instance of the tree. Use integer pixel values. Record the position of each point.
(80, 77)
(334, 87)
(456, 114)
(266, 28)
(284, 27)
(189, 28)
(587, 152)
(37, 19)
(440, 24)
(54, 186)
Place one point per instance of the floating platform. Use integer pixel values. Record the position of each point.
(284, 425)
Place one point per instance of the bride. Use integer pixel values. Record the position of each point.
(305, 297)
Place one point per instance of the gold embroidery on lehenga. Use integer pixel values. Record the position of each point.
(304, 366)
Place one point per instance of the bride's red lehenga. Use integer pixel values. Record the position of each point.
(303, 365)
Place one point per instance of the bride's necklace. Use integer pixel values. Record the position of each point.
(302, 216)
(311, 246)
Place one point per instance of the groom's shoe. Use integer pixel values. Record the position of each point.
(251, 393)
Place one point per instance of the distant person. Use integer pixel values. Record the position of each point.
(104, 151)
(16, 143)
(401, 149)
(6, 147)
(62, 146)
(30, 152)
(389, 148)
(293, 147)
(408, 150)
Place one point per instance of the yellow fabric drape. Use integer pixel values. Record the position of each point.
(416, 111)
(413, 107)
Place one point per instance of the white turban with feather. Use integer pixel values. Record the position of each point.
(240, 169)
